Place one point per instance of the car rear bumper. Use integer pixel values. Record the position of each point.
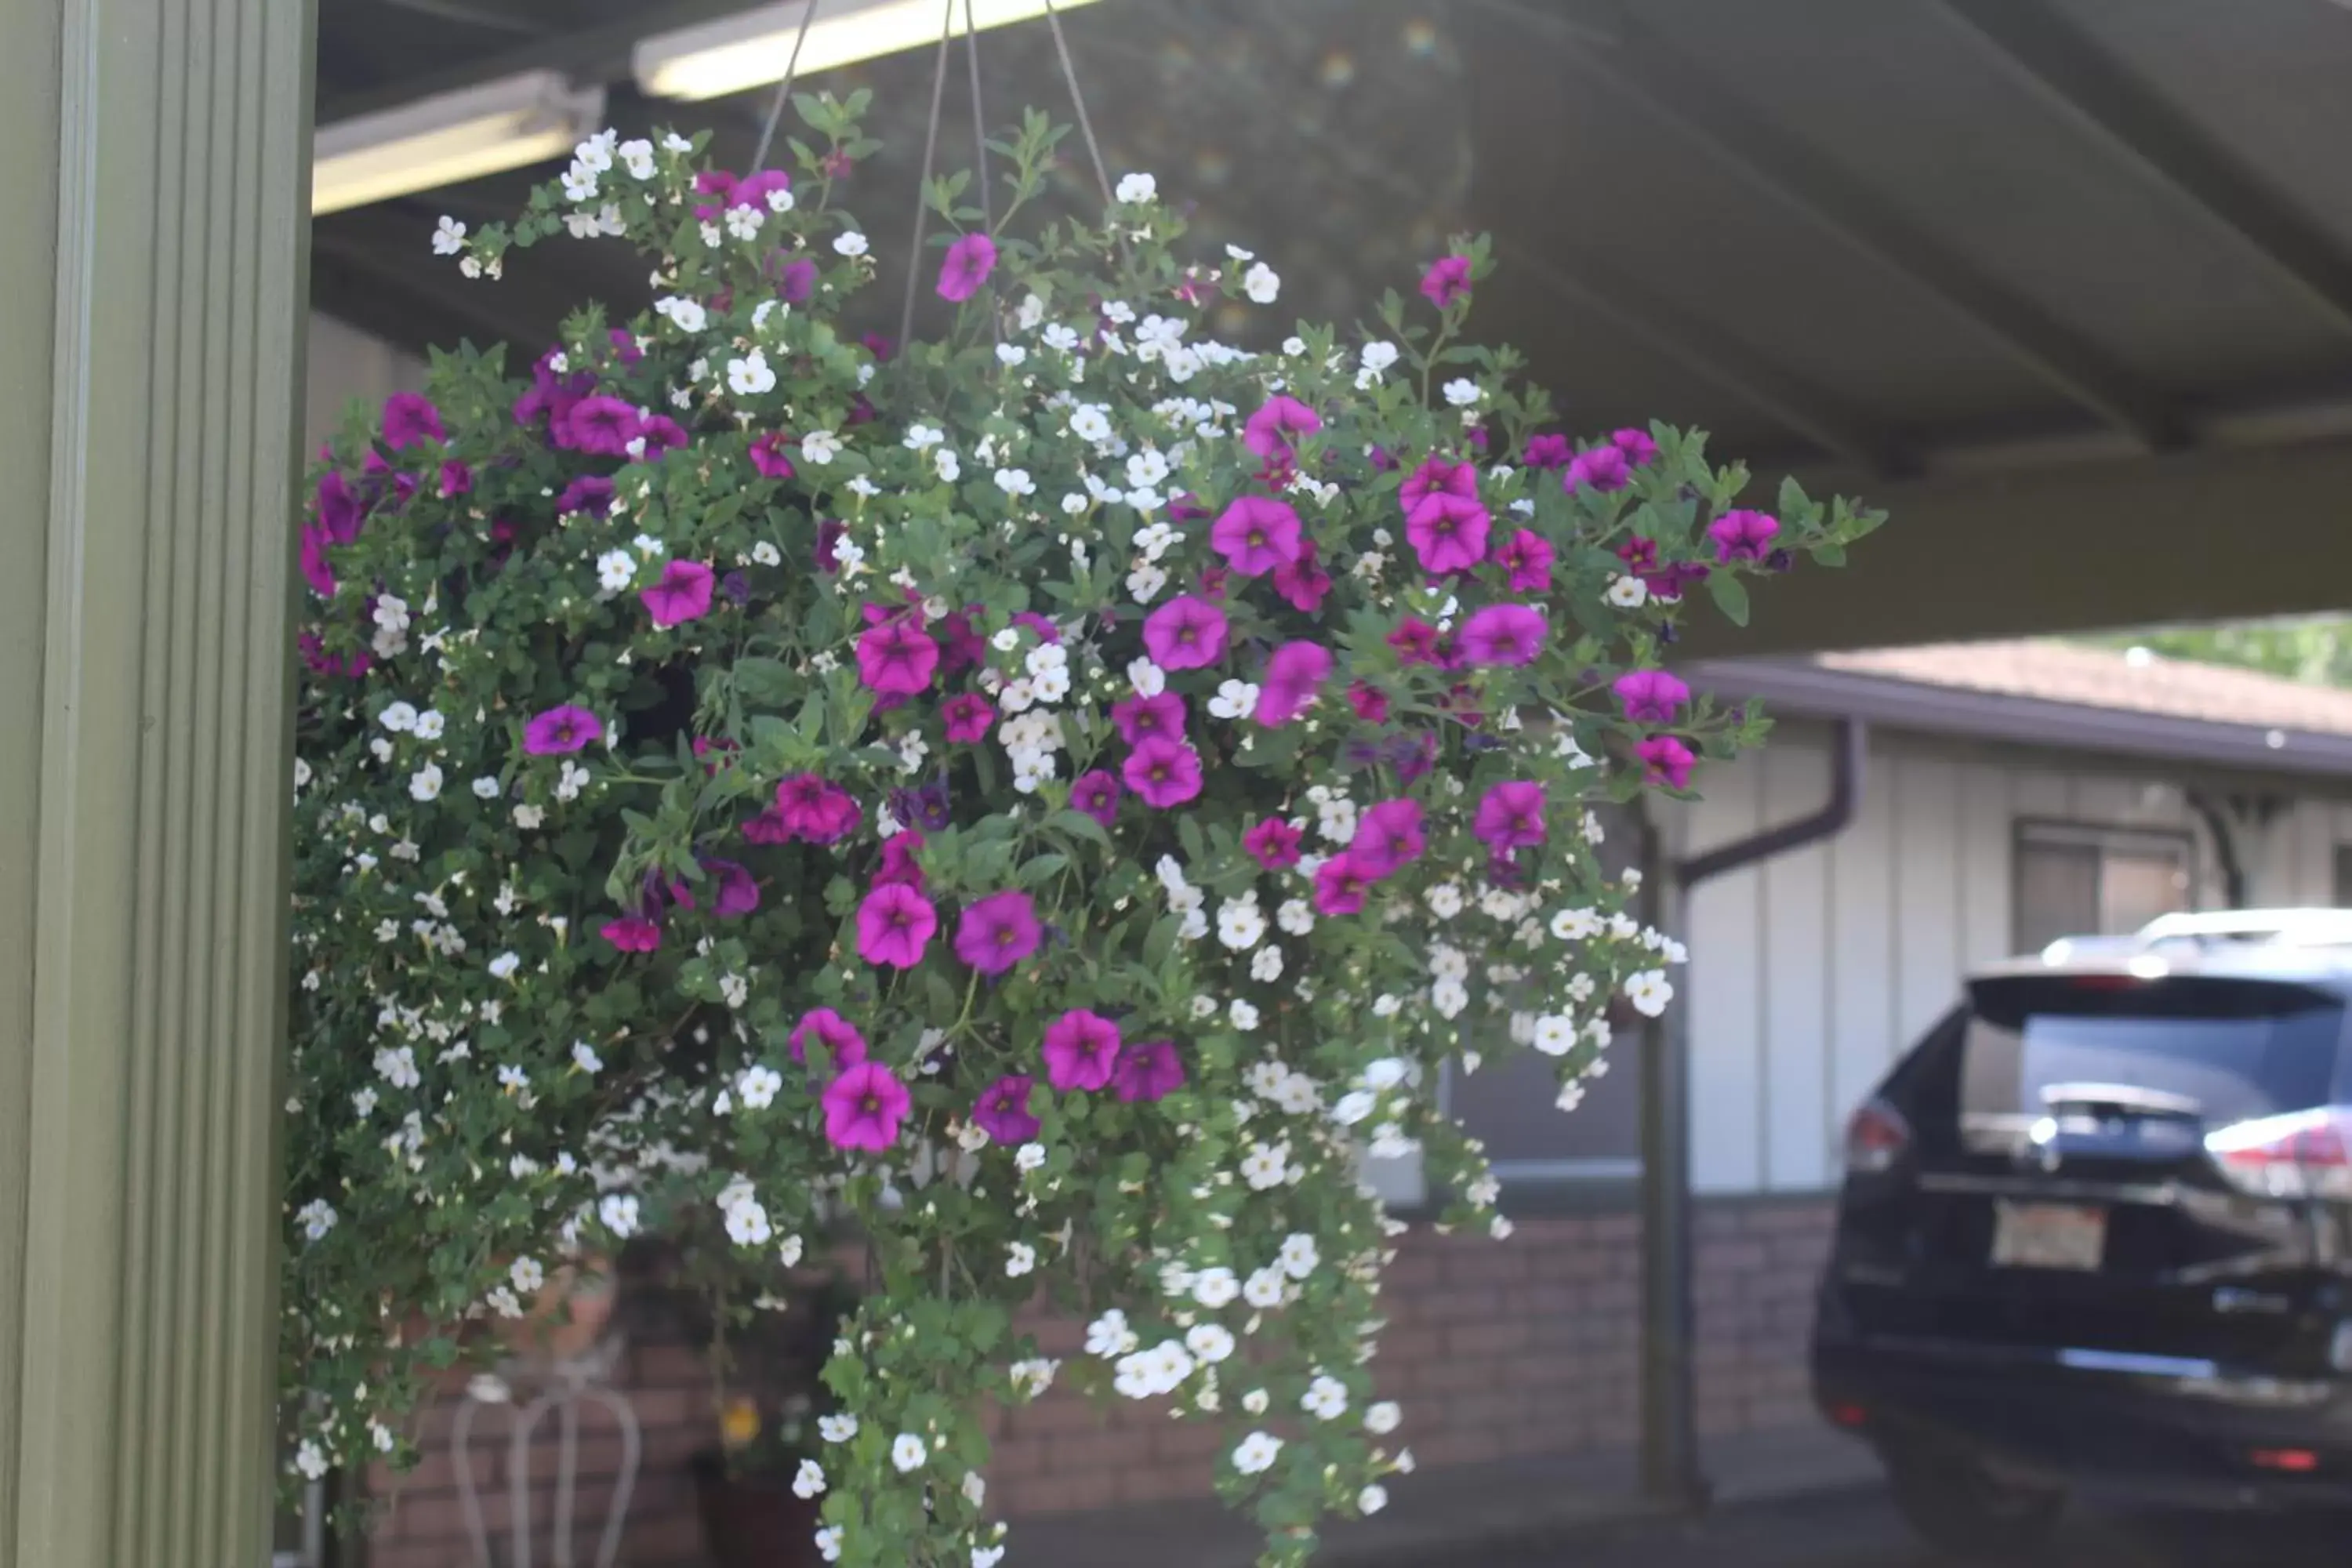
(2175, 1430)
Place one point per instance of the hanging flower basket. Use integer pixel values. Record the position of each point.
(1055, 791)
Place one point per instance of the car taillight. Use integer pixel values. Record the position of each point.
(1875, 1138)
(2303, 1154)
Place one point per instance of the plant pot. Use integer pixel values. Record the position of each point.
(754, 1521)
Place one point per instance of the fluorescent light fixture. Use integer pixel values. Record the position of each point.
(749, 50)
(452, 136)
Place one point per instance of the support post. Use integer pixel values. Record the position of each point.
(152, 303)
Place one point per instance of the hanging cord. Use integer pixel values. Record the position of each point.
(784, 92)
(980, 163)
(1078, 103)
(923, 188)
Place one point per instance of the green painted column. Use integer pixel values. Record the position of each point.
(151, 300)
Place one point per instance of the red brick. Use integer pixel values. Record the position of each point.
(1486, 1339)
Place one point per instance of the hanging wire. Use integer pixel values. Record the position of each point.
(1078, 103)
(980, 160)
(923, 188)
(784, 92)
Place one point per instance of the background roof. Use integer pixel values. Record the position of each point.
(2065, 283)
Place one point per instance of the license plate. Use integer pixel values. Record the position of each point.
(2048, 1235)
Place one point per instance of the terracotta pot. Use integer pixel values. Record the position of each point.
(754, 1521)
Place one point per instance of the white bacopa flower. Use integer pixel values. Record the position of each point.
(686, 315)
(504, 1302)
(1354, 1106)
(974, 1488)
(1378, 356)
(747, 1224)
(637, 157)
(1372, 1499)
(1203, 1006)
(1265, 1166)
(1032, 1377)
(1234, 699)
(920, 437)
(310, 1459)
(1029, 1157)
(1243, 1014)
(1240, 926)
(584, 1057)
(750, 376)
(828, 1542)
(1146, 469)
(397, 1067)
(836, 1428)
(316, 1218)
(1262, 284)
(429, 724)
(1136, 189)
(1108, 1335)
(1020, 1258)
(504, 965)
(398, 717)
(615, 569)
(1325, 1399)
(987, 1556)
(906, 1452)
(1265, 965)
(618, 1211)
(424, 783)
(1015, 482)
(1010, 353)
(1449, 997)
(949, 469)
(1298, 1257)
(1628, 593)
(1143, 583)
(449, 237)
(808, 1481)
(1554, 1035)
(1296, 916)
(758, 1088)
(1255, 1454)
(1649, 991)
(1382, 1419)
(744, 223)
(527, 1275)
(1214, 1288)
(851, 243)
(1575, 925)
(1461, 391)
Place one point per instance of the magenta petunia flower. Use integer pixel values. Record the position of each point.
(1269, 431)
(1371, 704)
(894, 925)
(796, 280)
(896, 658)
(968, 716)
(1273, 844)
(815, 808)
(1448, 532)
(1340, 886)
(591, 493)
(1743, 536)
(1638, 445)
(1666, 760)
(1081, 1048)
(315, 570)
(1511, 815)
(1186, 633)
(1502, 634)
(899, 862)
(1546, 452)
(1447, 280)
(1302, 582)
(1148, 1070)
(1164, 772)
(658, 434)
(1526, 555)
(768, 827)
(682, 594)
(968, 262)
(735, 891)
(339, 508)
(624, 345)
(601, 425)
(1003, 1110)
(844, 1046)
(864, 1108)
(1437, 476)
(1602, 468)
(1388, 839)
(1415, 641)
(1097, 795)
(1292, 678)
(768, 456)
(456, 478)
(1140, 718)
(751, 190)
(998, 932)
(559, 730)
(410, 417)
(1257, 535)
(634, 933)
(1649, 696)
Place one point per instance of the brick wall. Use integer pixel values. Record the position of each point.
(1496, 1351)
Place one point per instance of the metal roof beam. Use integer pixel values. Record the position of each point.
(2072, 73)
(1639, 64)
(1707, 350)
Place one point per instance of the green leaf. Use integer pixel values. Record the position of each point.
(1830, 552)
(764, 682)
(1730, 596)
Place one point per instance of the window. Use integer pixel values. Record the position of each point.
(2073, 881)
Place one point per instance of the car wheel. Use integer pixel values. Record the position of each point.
(1961, 1508)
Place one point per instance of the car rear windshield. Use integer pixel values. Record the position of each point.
(2239, 1048)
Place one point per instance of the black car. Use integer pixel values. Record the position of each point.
(2095, 1235)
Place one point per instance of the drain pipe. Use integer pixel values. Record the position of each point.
(1671, 1472)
